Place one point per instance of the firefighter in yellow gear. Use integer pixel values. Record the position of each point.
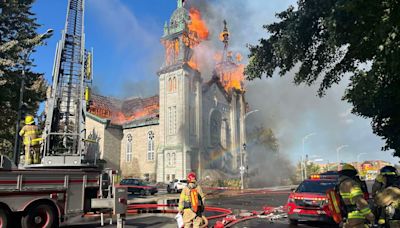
(387, 195)
(355, 205)
(191, 204)
(30, 133)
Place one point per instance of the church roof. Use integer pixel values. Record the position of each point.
(121, 112)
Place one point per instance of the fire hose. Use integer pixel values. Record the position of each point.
(228, 220)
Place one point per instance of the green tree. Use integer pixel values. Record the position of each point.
(18, 37)
(265, 137)
(327, 39)
(311, 167)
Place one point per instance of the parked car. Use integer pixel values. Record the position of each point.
(176, 185)
(138, 186)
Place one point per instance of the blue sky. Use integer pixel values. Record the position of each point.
(127, 54)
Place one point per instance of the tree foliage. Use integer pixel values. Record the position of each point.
(324, 40)
(18, 37)
(264, 137)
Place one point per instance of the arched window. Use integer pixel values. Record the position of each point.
(173, 159)
(128, 148)
(150, 146)
(169, 85)
(174, 84)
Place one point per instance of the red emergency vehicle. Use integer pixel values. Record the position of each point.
(307, 201)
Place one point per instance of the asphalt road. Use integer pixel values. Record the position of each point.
(254, 202)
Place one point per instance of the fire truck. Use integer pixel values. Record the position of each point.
(68, 181)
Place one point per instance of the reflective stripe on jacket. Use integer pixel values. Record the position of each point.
(30, 133)
(353, 198)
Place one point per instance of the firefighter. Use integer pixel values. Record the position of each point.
(388, 177)
(356, 207)
(31, 140)
(191, 203)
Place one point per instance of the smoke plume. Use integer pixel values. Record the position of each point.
(292, 112)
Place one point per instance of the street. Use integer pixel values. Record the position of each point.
(250, 202)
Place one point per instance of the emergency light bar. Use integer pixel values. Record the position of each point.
(324, 177)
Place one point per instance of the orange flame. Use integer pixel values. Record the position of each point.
(197, 25)
(118, 117)
(232, 76)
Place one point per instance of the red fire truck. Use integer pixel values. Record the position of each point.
(68, 181)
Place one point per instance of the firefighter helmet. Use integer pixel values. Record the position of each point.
(191, 177)
(29, 120)
(348, 170)
(348, 167)
(388, 170)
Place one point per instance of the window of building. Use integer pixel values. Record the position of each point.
(129, 148)
(173, 159)
(174, 84)
(192, 122)
(172, 120)
(173, 177)
(167, 177)
(169, 85)
(150, 146)
(168, 158)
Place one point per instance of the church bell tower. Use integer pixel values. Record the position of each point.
(180, 99)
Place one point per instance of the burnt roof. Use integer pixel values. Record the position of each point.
(124, 111)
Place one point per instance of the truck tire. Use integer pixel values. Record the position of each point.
(293, 222)
(4, 216)
(40, 216)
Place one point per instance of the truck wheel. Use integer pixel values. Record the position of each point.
(3, 217)
(40, 216)
(293, 222)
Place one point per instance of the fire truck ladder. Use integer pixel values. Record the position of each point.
(64, 129)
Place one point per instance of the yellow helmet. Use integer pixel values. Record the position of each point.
(348, 167)
(29, 119)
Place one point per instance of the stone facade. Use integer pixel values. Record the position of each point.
(108, 138)
(192, 125)
(138, 142)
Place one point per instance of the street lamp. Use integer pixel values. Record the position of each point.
(305, 163)
(359, 155)
(242, 168)
(337, 152)
(251, 112)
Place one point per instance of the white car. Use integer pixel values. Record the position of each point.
(176, 185)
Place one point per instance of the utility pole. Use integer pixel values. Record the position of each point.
(337, 153)
(305, 164)
(26, 53)
(242, 168)
(19, 114)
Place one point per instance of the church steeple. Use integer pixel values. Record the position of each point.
(180, 3)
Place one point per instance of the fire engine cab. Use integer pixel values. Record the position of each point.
(307, 201)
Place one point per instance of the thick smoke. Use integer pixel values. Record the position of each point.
(292, 112)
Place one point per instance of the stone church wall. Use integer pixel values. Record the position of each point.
(139, 166)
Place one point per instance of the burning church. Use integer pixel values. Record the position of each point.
(193, 124)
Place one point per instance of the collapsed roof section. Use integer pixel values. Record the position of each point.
(123, 112)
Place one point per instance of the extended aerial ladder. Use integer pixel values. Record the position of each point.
(64, 133)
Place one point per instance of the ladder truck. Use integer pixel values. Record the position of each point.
(68, 182)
